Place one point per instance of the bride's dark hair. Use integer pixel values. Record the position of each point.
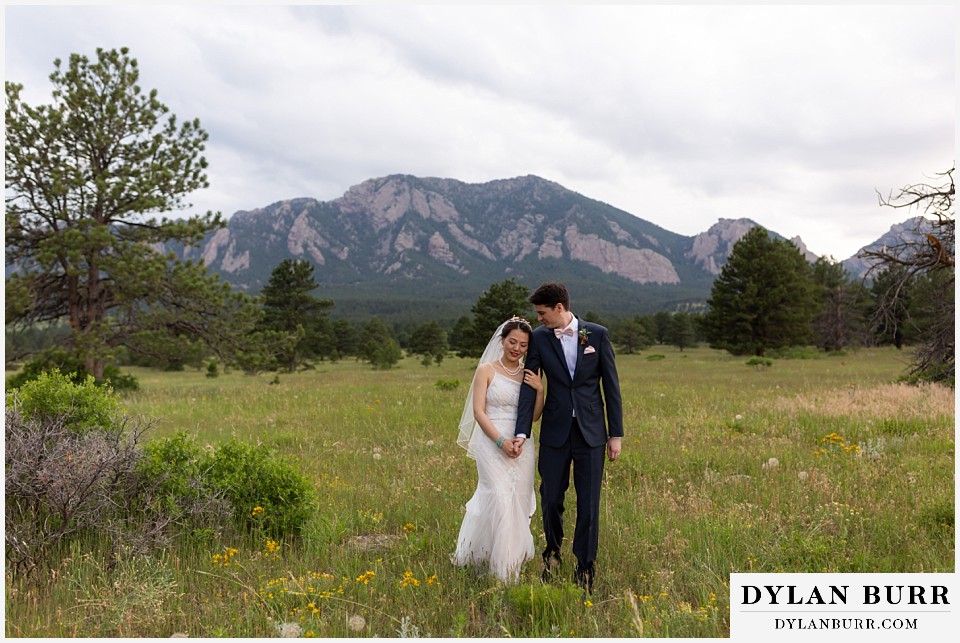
(516, 322)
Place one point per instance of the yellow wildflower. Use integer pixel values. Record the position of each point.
(366, 577)
(223, 560)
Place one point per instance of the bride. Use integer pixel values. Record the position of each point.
(495, 533)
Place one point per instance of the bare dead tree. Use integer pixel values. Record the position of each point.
(928, 253)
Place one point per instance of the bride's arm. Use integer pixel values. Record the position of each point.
(535, 382)
(480, 384)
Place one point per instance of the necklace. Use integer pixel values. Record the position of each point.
(507, 370)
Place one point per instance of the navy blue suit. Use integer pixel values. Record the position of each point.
(577, 421)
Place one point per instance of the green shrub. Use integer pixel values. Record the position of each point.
(195, 482)
(263, 489)
(72, 367)
(796, 352)
(176, 464)
(447, 385)
(177, 468)
(760, 362)
(655, 357)
(82, 406)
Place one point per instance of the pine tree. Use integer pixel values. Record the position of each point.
(681, 331)
(840, 322)
(86, 177)
(499, 303)
(926, 258)
(289, 307)
(764, 297)
(378, 345)
(429, 341)
(346, 339)
(630, 335)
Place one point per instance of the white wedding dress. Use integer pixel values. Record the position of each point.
(495, 533)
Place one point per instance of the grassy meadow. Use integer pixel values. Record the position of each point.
(809, 465)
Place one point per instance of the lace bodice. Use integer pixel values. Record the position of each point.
(503, 394)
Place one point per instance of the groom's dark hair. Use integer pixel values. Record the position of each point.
(550, 294)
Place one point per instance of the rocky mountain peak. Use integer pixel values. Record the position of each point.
(404, 234)
(386, 200)
(710, 249)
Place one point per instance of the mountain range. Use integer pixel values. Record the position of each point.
(402, 243)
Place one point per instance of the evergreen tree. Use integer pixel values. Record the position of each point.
(594, 317)
(763, 298)
(429, 341)
(931, 324)
(346, 339)
(840, 322)
(86, 177)
(682, 331)
(662, 321)
(649, 325)
(630, 335)
(289, 307)
(926, 257)
(260, 349)
(461, 337)
(890, 313)
(498, 304)
(378, 345)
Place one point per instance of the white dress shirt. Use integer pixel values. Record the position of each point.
(569, 344)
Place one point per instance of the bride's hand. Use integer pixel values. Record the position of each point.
(512, 448)
(532, 380)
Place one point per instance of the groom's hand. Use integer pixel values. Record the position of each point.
(613, 448)
(518, 446)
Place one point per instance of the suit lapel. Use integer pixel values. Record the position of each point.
(558, 348)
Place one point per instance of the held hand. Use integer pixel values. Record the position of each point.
(532, 380)
(613, 449)
(509, 449)
(518, 445)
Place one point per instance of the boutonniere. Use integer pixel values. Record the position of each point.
(584, 334)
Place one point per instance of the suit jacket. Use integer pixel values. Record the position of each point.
(595, 370)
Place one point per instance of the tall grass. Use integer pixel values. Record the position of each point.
(813, 465)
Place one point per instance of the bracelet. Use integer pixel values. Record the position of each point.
(500, 442)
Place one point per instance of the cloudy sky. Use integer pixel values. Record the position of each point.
(794, 116)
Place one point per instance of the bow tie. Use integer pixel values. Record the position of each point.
(560, 332)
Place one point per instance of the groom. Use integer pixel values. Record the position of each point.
(577, 358)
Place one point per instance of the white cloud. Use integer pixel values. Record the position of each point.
(790, 115)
